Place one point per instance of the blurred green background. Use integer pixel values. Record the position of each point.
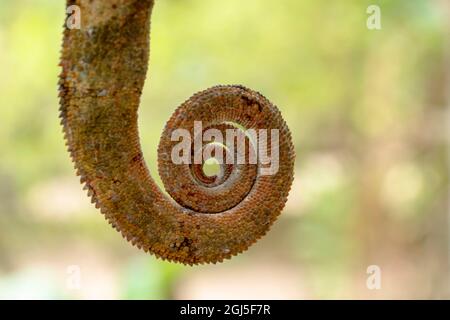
(367, 110)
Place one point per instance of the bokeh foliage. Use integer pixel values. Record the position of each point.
(366, 109)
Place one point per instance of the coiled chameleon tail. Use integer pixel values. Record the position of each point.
(205, 219)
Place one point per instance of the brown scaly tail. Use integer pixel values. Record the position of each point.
(209, 219)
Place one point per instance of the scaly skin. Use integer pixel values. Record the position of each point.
(104, 66)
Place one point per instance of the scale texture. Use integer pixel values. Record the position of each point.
(204, 219)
